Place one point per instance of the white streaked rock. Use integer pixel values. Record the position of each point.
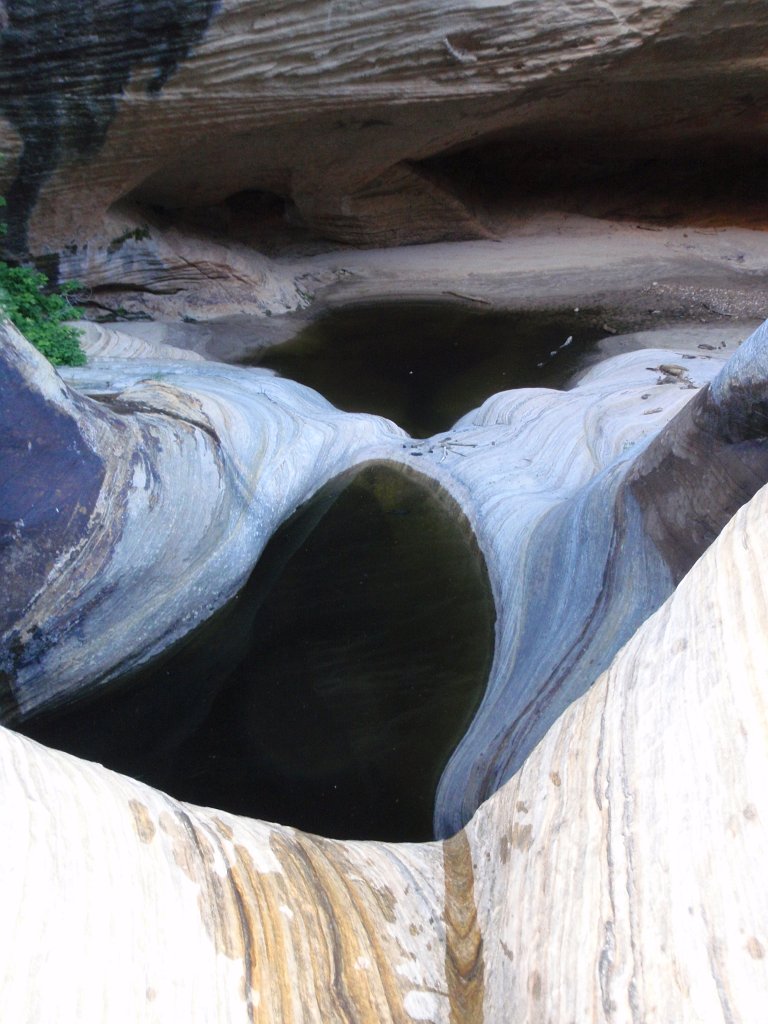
(618, 876)
(99, 342)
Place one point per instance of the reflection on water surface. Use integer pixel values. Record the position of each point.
(425, 364)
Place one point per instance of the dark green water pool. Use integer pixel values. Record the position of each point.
(425, 364)
(329, 694)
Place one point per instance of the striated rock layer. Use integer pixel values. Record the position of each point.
(144, 511)
(129, 520)
(617, 876)
(352, 114)
(586, 560)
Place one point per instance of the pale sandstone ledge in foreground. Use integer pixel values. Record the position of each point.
(618, 877)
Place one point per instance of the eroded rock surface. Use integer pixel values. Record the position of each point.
(182, 478)
(617, 876)
(581, 501)
(371, 123)
(606, 807)
(588, 558)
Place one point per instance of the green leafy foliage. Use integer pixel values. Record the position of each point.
(40, 312)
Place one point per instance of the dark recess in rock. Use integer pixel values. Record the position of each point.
(707, 181)
(330, 692)
(63, 66)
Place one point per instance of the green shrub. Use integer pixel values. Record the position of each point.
(39, 312)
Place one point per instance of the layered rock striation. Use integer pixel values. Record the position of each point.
(615, 877)
(601, 838)
(586, 560)
(357, 116)
(588, 505)
(130, 519)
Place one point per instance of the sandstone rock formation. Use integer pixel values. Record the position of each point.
(587, 508)
(600, 827)
(375, 123)
(616, 877)
(98, 341)
(103, 563)
(585, 564)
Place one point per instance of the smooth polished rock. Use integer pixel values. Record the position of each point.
(586, 558)
(618, 876)
(330, 691)
(99, 341)
(153, 505)
(572, 497)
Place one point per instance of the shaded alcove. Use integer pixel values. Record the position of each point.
(330, 692)
(619, 175)
(259, 218)
(425, 364)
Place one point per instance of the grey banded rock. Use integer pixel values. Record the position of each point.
(618, 876)
(584, 568)
(587, 509)
(129, 519)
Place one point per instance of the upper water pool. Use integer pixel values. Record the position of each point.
(425, 364)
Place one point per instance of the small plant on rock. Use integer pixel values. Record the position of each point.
(40, 312)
